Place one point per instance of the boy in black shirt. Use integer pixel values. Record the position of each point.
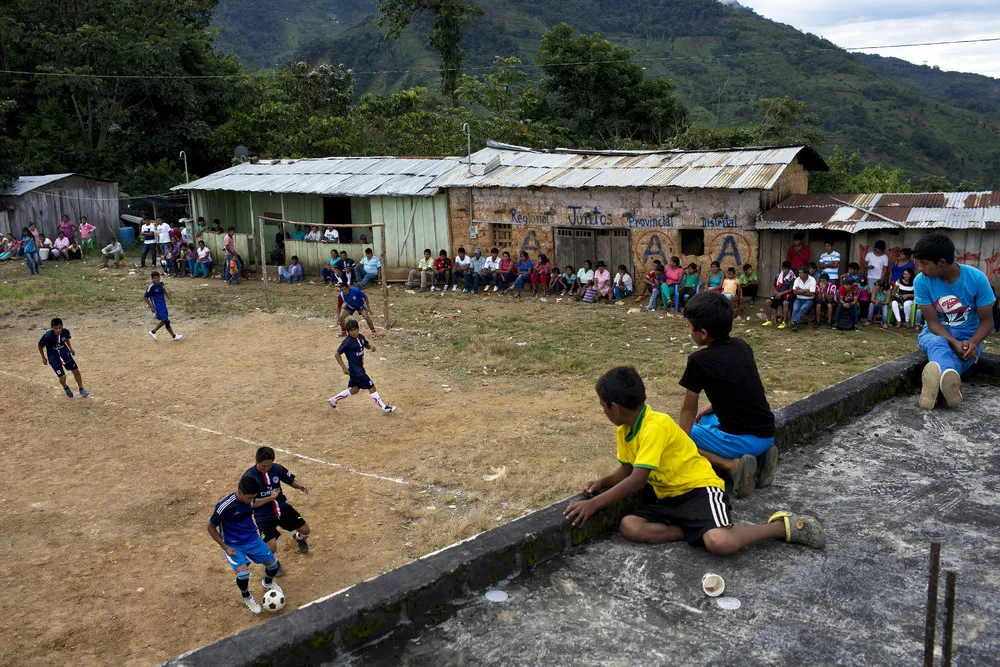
(736, 427)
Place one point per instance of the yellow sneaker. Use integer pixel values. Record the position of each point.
(767, 323)
(782, 325)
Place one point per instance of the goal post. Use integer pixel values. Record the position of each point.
(376, 227)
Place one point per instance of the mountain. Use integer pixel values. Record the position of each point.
(721, 58)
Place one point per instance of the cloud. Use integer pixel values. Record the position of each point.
(853, 23)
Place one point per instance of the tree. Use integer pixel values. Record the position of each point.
(851, 174)
(450, 16)
(8, 167)
(781, 121)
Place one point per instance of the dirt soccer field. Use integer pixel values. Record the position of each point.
(106, 500)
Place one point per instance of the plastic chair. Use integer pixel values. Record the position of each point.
(913, 313)
(677, 295)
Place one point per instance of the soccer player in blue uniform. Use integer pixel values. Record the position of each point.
(354, 347)
(355, 301)
(57, 352)
(156, 299)
(233, 529)
(278, 513)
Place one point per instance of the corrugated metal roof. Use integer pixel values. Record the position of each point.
(920, 210)
(28, 183)
(739, 168)
(336, 176)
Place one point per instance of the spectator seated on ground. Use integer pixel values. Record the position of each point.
(8, 247)
(74, 251)
(112, 251)
(291, 274)
(331, 272)
(59, 247)
(424, 271)
(369, 269)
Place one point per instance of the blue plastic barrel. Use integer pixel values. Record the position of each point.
(126, 236)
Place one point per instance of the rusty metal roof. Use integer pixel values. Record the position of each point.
(918, 210)
(733, 169)
(335, 176)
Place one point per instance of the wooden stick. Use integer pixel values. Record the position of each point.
(385, 277)
(949, 617)
(930, 624)
(263, 264)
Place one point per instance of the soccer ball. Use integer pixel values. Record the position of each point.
(273, 601)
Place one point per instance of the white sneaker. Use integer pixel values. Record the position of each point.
(454, 288)
(496, 288)
(153, 335)
(433, 288)
(333, 402)
(389, 409)
(951, 387)
(930, 385)
(273, 586)
(178, 336)
(251, 604)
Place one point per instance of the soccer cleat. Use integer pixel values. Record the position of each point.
(782, 325)
(303, 545)
(251, 604)
(389, 409)
(178, 336)
(273, 586)
(951, 388)
(495, 288)
(84, 392)
(69, 392)
(931, 384)
(333, 402)
(766, 465)
(766, 323)
(153, 334)
(745, 479)
(801, 529)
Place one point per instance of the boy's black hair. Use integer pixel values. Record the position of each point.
(154, 273)
(496, 250)
(906, 251)
(812, 265)
(786, 264)
(201, 218)
(693, 266)
(656, 261)
(731, 268)
(370, 250)
(427, 251)
(676, 260)
(265, 453)
(747, 266)
(822, 276)
(798, 236)
(854, 265)
(56, 322)
(828, 242)
(934, 248)
(443, 253)
(461, 249)
(621, 385)
(232, 229)
(249, 485)
(880, 245)
(804, 268)
(295, 257)
(712, 312)
(343, 285)
(351, 325)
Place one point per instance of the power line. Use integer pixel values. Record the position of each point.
(273, 73)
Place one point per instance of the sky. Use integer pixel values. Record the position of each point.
(850, 23)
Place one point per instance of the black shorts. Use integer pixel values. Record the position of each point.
(289, 521)
(61, 362)
(696, 512)
(351, 311)
(361, 381)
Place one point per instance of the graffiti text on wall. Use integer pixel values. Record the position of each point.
(577, 216)
(523, 220)
(650, 222)
(724, 221)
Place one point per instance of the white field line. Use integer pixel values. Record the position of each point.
(195, 427)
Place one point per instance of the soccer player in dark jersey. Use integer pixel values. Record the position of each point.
(279, 513)
(233, 529)
(57, 352)
(156, 298)
(354, 348)
(355, 301)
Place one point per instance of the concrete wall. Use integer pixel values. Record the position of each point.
(655, 219)
(73, 196)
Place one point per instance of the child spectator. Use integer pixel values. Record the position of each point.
(235, 267)
(847, 297)
(804, 289)
(826, 300)
(829, 262)
(623, 283)
(651, 281)
(656, 287)
(192, 259)
(424, 270)
(567, 278)
(204, 260)
(556, 282)
(682, 498)
(525, 267)
(903, 300)
(74, 251)
(813, 270)
(583, 276)
(689, 285)
(957, 303)
(715, 277)
(589, 293)
(292, 274)
(903, 261)
(879, 304)
(169, 260)
(602, 281)
(731, 288)
(442, 270)
(331, 271)
(749, 283)
(853, 271)
(736, 425)
(86, 240)
(779, 305)
(508, 272)
(463, 272)
(672, 277)
(541, 276)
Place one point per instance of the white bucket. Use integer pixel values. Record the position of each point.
(43, 254)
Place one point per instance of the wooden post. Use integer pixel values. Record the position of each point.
(263, 264)
(385, 276)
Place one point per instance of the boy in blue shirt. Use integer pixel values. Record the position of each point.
(231, 526)
(355, 301)
(156, 298)
(57, 352)
(957, 303)
(277, 514)
(354, 347)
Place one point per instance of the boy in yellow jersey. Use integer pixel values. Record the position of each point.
(682, 497)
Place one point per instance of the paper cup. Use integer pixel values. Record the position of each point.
(712, 584)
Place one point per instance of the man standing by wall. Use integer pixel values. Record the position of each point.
(163, 235)
(148, 232)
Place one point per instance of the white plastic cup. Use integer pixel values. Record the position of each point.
(712, 584)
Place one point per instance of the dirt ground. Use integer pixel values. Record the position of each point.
(107, 559)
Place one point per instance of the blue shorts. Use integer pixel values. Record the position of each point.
(58, 362)
(257, 552)
(708, 436)
(161, 314)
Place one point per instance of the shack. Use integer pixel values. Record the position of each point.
(395, 191)
(855, 222)
(622, 207)
(43, 200)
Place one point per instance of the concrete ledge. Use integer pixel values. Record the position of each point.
(426, 591)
